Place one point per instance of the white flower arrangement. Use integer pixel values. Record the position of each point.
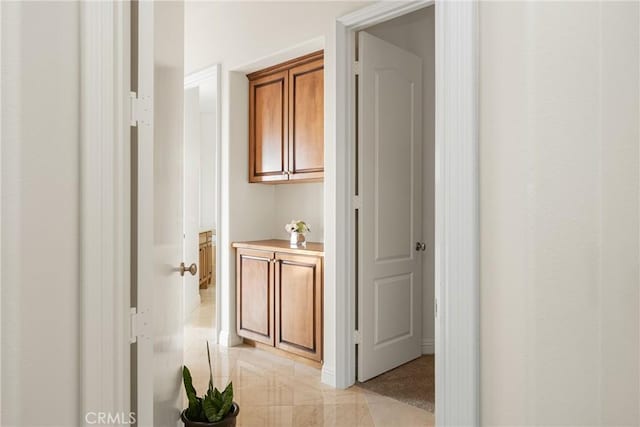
(297, 226)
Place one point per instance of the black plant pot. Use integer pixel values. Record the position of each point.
(228, 421)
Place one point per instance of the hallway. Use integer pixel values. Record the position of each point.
(275, 391)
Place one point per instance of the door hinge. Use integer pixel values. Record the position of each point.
(133, 109)
(435, 302)
(140, 110)
(356, 67)
(138, 325)
(357, 338)
(357, 202)
(133, 325)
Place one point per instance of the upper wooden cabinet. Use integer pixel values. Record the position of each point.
(268, 130)
(286, 121)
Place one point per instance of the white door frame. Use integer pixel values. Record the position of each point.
(457, 206)
(192, 80)
(105, 207)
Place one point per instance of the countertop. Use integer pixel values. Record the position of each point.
(277, 245)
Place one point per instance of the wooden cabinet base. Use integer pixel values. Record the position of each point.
(298, 289)
(279, 293)
(254, 295)
(205, 263)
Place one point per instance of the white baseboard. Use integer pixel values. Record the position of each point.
(214, 336)
(229, 339)
(428, 346)
(328, 376)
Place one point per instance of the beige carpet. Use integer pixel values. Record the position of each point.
(412, 383)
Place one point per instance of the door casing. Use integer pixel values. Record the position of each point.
(105, 207)
(213, 72)
(457, 205)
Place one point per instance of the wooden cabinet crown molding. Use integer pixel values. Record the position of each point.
(284, 66)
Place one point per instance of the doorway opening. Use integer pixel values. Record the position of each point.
(456, 262)
(201, 206)
(395, 180)
(456, 235)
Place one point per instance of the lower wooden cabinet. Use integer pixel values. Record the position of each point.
(298, 283)
(254, 293)
(279, 300)
(206, 259)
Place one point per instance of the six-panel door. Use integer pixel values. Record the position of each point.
(298, 283)
(255, 296)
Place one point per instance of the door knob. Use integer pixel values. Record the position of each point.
(421, 246)
(193, 269)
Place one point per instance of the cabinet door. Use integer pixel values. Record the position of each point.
(268, 131)
(306, 121)
(299, 305)
(207, 263)
(201, 266)
(255, 304)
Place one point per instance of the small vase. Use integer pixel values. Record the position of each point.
(297, 240)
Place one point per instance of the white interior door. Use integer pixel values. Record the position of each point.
(390, 221)
(160, 213)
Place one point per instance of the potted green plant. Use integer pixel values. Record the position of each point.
(212, 409)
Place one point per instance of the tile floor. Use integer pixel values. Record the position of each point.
(275, 391)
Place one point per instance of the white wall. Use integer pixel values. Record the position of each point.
(247, 31)
(415, 33)
(249, 210)
(299, 201)
(40, 214)
(208, 132)
(192, 194)
(559, 164)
